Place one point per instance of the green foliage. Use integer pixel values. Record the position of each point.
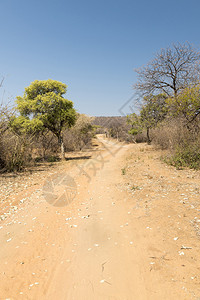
(134, 131)
(173, 118)
(24, 125)
(123, 171)
(186, 104)
(43, 87)
(135, 187)
(43, 107)
(154, 110)
(135, 122)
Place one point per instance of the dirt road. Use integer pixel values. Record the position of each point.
(121, 231)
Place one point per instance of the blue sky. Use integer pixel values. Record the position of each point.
(92, 46)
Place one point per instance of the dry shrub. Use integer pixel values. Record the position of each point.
(141, 138)
(169, 134)
(45, 146)
(124, 136)
(19, 151)
(79, 136)
(15, 152)
(115, 127)
(182, 141)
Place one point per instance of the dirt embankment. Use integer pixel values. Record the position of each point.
(127, 228)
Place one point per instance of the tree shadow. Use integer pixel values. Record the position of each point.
(78, 157)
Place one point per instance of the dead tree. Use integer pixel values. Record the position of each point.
(171, 70)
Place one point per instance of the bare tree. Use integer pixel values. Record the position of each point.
(170, 71)
(3, 118)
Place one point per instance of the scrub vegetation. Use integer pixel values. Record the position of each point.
(44, 125)
(168, 90)
(41, 127)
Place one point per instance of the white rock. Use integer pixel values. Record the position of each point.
(102, 281)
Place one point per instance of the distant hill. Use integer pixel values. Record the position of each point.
(108, 121)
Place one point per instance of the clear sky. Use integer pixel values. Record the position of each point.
(92, 46)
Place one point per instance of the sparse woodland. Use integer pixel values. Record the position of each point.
(168, 90)
(44, 125)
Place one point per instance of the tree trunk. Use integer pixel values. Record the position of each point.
(62, 149)
(148, 136)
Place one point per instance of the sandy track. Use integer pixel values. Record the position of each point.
(109, 243)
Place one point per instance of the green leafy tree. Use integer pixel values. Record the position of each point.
(154, 111)
(187, 104)
(43, 107)
(135, 122)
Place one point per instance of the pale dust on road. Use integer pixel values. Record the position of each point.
(100, 245)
